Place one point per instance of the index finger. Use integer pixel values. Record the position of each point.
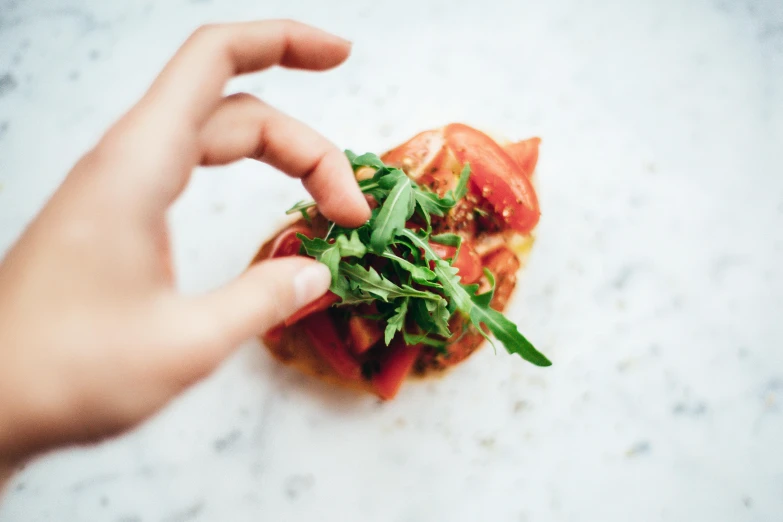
(191, 85)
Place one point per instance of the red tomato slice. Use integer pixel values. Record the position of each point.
(525, 153)
(320, 304)
(364, 333)
(274, 335)
(495, 176)
(418, 155)
(440, 180)
(468, 263)
(394, 368)
(323, 335)
(504, 264)
(287, 244)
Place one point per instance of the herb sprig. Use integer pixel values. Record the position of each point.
(383, 261)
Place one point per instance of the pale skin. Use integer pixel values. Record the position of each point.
(94, 337)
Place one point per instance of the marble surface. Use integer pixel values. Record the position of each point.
(655, 286)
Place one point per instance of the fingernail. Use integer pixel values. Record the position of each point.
(311, 283)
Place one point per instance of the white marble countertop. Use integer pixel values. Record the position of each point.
(656, 284)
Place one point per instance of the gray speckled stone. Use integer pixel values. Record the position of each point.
(655, 286)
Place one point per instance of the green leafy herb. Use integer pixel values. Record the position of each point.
(395, 211)
(419, 273)
(365, 160)
(416, 292)
(370, 281)
(433, 316)
(453, 240)
(352, 247)
(397, 321)
(426, 339)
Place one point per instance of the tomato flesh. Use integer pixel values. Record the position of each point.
(394, 368)
(418, 155)
(468, 263)
(525, 154)
(287, 244)
(320, 304)
(274, 335)
(495, 176)
(364, 333)
(504, 264)
(323, 335)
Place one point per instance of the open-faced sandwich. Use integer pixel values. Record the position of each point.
(421, 285)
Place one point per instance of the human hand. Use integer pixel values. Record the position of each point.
(94, 337)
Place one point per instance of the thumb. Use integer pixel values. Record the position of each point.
(262, 297)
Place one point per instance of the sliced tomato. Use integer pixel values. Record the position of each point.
(525, 154)
(504, 265)
(320, 304)
(323, 335)
(274, 335)
(420, 154)
(287, 244)
(495, 176)
(440, 180)
(364, 333)
(468, 263)
(394, 368)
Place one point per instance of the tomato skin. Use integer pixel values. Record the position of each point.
(394, 368)
(364, 333)
(320, 304)
(274, 335)
(440, 180)
(468, 263)
(287, 244)
(504, 265)
(495, 176)
(419, 155)
(525, 154)
(323, 335)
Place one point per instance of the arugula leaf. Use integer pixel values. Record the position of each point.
(420, 274)
(300, 206)
(431, 203)
(426, 339)
(396, 322)
(462, 185)
(477, 307)
(331, 258)
(314, 246)
(420, 243)
(413, 261)
(486, 298)
(326, 253)
(395, 211)
(432, 316)
(352, 247)
(368, 280)
(365, 160)
(454, 240)
(387, 178)
(508, 334)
